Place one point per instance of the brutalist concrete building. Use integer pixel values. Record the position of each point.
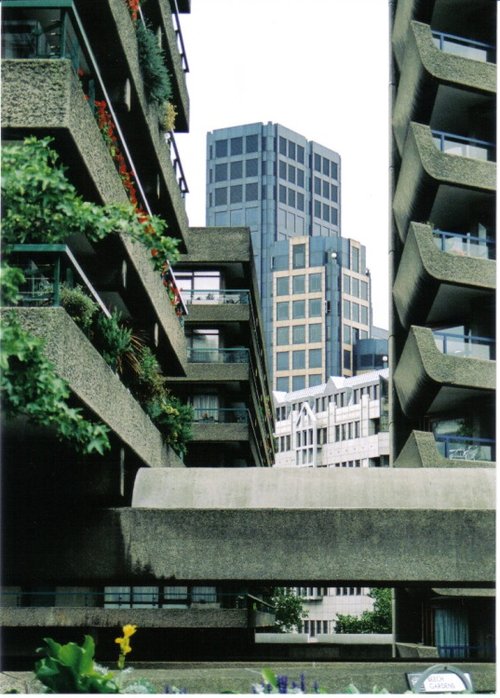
(443, 279)
(73, 71)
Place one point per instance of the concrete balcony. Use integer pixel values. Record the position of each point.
(431, 285)
(440, 76)
(94, 383)
(280, 526)
(428, 381)
(427, 175)
(421, 451)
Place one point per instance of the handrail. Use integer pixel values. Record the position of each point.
(222, 355)
(467, 341)
(467, 447)
(177, 163)
(456, 137)
(442, 36)
(180, 39)
(218, 295)
(214, 414)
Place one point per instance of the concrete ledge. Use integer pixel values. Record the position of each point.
(413, 649)
(213, 373)
(94, 383)
(420, 451)
(219, 245)
(212, 431)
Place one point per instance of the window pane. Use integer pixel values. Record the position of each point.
(291, 198)
(252, 191)
(300, 154)
(282, 286)
(291, 174)
(299, 284)
(326, 213)
(282, 311)
(300, 177)
(298, 334)
(237, 146)
(298, 309)
(315, 307)
(252, 143)
(282, 145)
(315, 380)
(282, 166)
(334, 216)
(326, 190)
(317, 208)
(334, 171)
(236, 195)
(298, 382)
(347, 310)
(299, 256)
(291, 150)
(364, 315)
(315, 333)
(282, 361)
(299, 359)
(355, 259)
(237, 169)
(282, 335)
(314, 282)
(317, 186)
(282, 194)
(220, 196)
(347, 334)
(347, 283)
(355, 312)
(282, 384)
(317, 162)
(252, 167)
(334, 193)
(220, 149)
(300, 201)
(221, 172)
(364, 290)
(315, 358)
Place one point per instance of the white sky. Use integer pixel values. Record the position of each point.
(319, 67)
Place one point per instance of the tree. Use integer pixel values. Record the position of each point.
(379, 620)
(289, 609)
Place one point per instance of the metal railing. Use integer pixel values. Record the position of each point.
(175, 159)
(221, 415)
(465, 244)
(455, 144)
(216, 296)
(218, 356)
(179, 37)
(464, 345)
(465, 447)
(45, 269)
(467, 48)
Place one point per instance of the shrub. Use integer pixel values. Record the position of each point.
(79, 306)
(152, 61)
(174, 419)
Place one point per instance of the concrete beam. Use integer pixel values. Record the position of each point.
(370, 527)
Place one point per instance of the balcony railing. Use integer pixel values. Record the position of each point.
(178, 36)
(467, 48)
(455, 144)
(465, 447)
(467, 346)
(216, 297)
(223, 415)
(465, 244)
(218, 356)
(176, 163)
(45, 269)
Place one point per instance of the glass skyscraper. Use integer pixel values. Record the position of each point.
(314, 285)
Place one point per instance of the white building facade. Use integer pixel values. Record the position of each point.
(339, 424)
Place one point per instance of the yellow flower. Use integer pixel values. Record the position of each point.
(129, 630)
(124, 642)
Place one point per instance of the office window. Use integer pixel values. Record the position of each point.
(334, 170)
(364, 290)
(300, 201)
(298, 309)
(282, 336)
(299, 256)
(355, 312)
(326, 213)
(282, 311)
(299, 283)
(326, 190)
(282, 194)
(355, 259)
(298, 382)
(252, 191)
(220, 196)
(315, 333)
(347, 310)
(282, 360)
(221, 172)
(299, 334)
(282, 146)
(326, 167)
(347, 334)
(334, 193)
(299, 359)
(300, 154)
(315, 358)
(315, 307)
(347, 359)
(317, 186)
(317, 208)
(291, 174)
(237, 145)
(355, 287)
(236, 194)
(317, 162)
(314, 282)
(282, 384)
(252, 143)
(221, 149)
(300, 177)
(252, 167)
(315, 379)
(282, 286)
(334, 216)
(282, 168)
(236, 169)
(291, 198)
(347, 283)
(363, 318)
(291, 150)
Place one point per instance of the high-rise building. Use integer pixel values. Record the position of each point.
(443, 279)
(314, 284)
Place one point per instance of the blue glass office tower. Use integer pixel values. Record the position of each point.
(314, 286)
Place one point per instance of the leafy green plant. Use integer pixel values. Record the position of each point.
(174, 419)
(79, 306)
(289, 610)
(149, 383)
(30, 386)
(152, 62)
(377, 621)
(11, 279)
(115, 342)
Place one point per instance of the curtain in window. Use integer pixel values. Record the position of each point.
(452, 632)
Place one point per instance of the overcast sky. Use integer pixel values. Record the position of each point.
(319, 67)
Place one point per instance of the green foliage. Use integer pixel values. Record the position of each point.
(174, 419)
(149, 384)
(41, 205)
(114, 340)
(152, 61)
(377, 621)
(289, 609)
(11, 279)
(30, 386)
(79, 306)
(70, 669)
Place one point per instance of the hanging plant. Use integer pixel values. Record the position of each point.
(156, 77)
